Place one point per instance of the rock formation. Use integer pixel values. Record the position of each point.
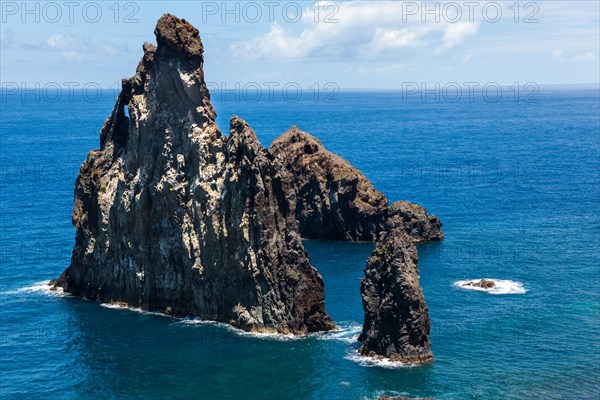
(335, 201)
(483, 283)
(171, 215)
(415, 221)
(396, 324)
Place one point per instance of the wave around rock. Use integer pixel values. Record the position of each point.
(500, 286)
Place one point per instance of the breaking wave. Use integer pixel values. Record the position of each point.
(348, 333)
(240, 332)
(366, 361)
(40, 288)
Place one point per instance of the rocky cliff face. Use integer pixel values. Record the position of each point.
(333, 200)
(396, 324)
(173, 216)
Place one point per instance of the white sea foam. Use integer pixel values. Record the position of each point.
(348, 333)
(186, 320)
(195, 320)
(38, 287)
(240, 332)
(366, 361)
(200, 321)
(267, 335)
(502, 286)
(117, 306)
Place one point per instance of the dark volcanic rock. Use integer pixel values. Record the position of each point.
(415, 221)
(333, 200)
(483, 283)
(172, 216)
(396, 322)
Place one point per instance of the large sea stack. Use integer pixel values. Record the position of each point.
(397, 322)
(333, 200)
(171, 215)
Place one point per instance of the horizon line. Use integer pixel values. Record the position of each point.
(591, 85)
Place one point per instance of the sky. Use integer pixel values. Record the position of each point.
(351, 44)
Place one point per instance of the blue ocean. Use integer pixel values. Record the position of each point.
(515, 183)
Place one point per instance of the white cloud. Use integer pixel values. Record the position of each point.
(107, 49)
(558, 54)
(70, 48)
(65, 42)
(369, 30)
(456, 33)
(587, 56)
(73, 50)
(72, 56)
(9, 40)
(275, 44)
(392, 39)
(385, 69)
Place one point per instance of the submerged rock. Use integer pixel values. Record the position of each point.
(396, 324)
(333, 200)
(483, 283)
(173, 216)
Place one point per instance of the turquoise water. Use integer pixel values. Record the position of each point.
(517, 186)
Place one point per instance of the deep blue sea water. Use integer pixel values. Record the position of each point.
(516, 184)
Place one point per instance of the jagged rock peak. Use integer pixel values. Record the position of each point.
(295, 136)
(172, 216)
(176, 36)
(239, 129)
(173, 72)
